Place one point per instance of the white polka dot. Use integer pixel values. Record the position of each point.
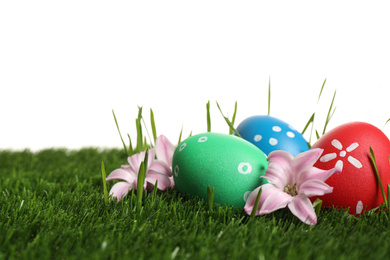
(202, 139)
(244, 168)
(176, 171)
(343, 153)
(246, 195)
(328, 157)
(182, 147)
(257, 138)
(290, 134)
(273, 141)
(359, 207)
(340, 164)
(355, 162)
(276, 128)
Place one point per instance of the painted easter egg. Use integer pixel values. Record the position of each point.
(228, 163)
(270, 134)
(348, 147)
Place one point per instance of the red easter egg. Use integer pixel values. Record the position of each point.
(348, 147)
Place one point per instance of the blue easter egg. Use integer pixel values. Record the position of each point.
(270, 134)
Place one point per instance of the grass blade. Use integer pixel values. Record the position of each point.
(139, 135)
(330, 114)
(145, 144)
(153, 124)
(253, 213)
(210, 197)
(139, 112)
(154, 194)
(141, 178)
(181, 133)
(387, 122)
(317, 135)
(231, 127)
(308, 123)
(140, 184)
(377, 175)
(104, 184)
(131, 151)
(208, 116)
(147, 132)
(269, 96)
(234, 117)
(388, 199)
(322, 88)
(117, 127)
(311, 121)
(139, 131)
(317, 204)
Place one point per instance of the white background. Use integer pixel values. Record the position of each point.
(65, 65)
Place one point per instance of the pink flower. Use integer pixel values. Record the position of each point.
(164, 149)
(164, 152)
(292, 181)
(156, 170)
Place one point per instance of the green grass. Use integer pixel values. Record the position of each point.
(52, 207)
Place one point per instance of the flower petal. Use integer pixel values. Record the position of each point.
(318, 174)
(151, 156)
(135, 160)
(304, 161)
(121, 174)
(273, 199)
(128, 167)
(164, 149)
(161, 167)
(120, 189)
(163, 180)
(280, 155)
(302, 208)
(314, 188)
(283, 159)
(172, 182)
(276, 175)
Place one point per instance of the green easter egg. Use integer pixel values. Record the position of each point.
(228, 163)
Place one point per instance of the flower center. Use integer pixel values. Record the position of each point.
(291, 190)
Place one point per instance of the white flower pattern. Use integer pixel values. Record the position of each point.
(337, 144)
